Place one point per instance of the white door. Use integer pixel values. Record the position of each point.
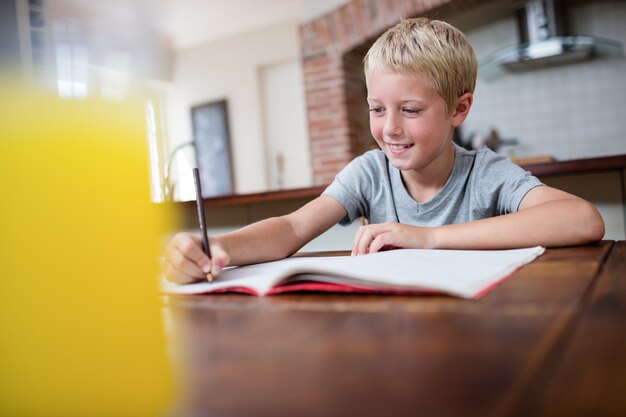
(288, 157)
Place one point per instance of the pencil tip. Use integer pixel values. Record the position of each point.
(209, 277)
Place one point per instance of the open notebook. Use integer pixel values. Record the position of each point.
(460, 273)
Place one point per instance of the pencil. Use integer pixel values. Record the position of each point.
(205, 238)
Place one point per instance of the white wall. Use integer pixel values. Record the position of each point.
(229, 69)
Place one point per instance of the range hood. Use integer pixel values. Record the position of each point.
(544, 42)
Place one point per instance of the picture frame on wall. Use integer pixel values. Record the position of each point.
(211, 137)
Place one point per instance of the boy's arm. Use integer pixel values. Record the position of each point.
(280, 237)
(546, 217)
(266, 240)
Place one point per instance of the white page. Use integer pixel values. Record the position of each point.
(461, 273)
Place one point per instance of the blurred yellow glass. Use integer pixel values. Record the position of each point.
(80, 324)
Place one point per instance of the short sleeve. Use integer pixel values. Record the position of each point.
(352, 187)
(502, 184)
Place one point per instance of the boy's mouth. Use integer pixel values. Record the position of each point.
(399, 148)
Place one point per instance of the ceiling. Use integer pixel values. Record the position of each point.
(188, 23)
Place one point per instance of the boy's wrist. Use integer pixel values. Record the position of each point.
(219, 241)
(436, 237)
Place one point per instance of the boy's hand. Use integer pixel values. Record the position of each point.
(186, 262)
(373, 238)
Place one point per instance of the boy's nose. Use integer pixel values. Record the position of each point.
(392, 127)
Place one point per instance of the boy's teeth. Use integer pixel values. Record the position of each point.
(398, 147)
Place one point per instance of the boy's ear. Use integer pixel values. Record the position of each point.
(463, 105)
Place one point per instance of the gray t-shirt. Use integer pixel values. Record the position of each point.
(482, 184)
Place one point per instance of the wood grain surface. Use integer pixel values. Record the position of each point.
(548, 341)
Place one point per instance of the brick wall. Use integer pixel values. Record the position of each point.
(333, 47)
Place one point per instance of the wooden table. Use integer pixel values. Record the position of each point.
(549, 341)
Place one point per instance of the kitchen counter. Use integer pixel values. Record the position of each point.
(604, 163)
(538, 169)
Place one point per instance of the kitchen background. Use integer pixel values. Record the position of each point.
(290, 74)
(568, 112)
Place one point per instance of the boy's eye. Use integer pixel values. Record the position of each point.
(411, 110)
(376, 110)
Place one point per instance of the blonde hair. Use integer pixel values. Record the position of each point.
(431, 49)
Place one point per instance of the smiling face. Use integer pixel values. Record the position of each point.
(410, 121)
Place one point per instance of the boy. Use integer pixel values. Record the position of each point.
(419, 190)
